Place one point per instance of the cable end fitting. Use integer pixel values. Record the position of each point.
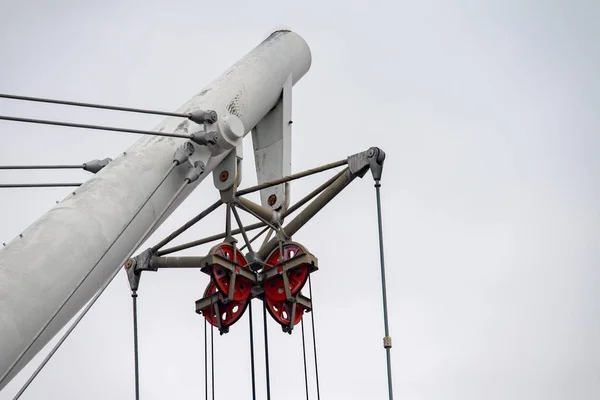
(202, 116)
(95, 166)
(195, 172)
(387, 342)
(183, 153)
(203, 138)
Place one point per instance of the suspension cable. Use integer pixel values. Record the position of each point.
(312, 318)
(205, 361)
(304, 357)
(212, 358)
(134, 296)
(387, 340)
(252, 350)
(95, 127)
(267, 373)
(92, 105)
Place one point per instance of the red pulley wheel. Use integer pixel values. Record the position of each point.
(281, 311)
(222, 276)
(274, 288)
(230, 312)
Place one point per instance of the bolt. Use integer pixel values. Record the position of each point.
(272, 199)
(223, 176)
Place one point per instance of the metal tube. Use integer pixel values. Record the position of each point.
(37, 185)
(312, 194)
(176, 262)
(92, 105)
(80, 228)
(258, 216)
(186, 226)
(383, 290)
(291, 177)
(96, 296)
(310, 211)
(80, 283)
(265, 214)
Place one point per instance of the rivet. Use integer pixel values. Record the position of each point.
(272, 199)
(223, 176)
(128, 264)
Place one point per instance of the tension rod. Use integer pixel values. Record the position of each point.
(135, 344)
(199, 116)
(387, 340)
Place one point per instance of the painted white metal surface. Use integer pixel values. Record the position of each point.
(41, 268)
(272, 142)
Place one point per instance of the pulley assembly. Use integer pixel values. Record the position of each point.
(278, 283)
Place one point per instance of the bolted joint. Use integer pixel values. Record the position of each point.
(134, 267)
(195, 172)
(371, 159)
(203, 138)
(202, 116)
(387, 342)
(183, 153)
(96, 165)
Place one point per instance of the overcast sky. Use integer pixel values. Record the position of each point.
(488, 112)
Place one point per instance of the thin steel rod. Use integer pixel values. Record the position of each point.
(267, 372)
(304, 358)
(266, 228)
(135, 345)
(207, 240)
(99, 293)
(205, 361)
(291, 177)
(96, 127)
(243, 232)
(248, 228)
(49, 321)
(383, 289)
(252, 350)
(186, 226)
(312, 320)
(312, 194)
(37, 185)
(41, 166)
(92, 105)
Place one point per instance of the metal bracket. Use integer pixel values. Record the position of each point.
(134, 267)
(272, 141)
(371, 159)
(287, 265)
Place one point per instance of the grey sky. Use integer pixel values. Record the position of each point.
(488, 112)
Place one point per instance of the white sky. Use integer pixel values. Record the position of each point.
(488, 112)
